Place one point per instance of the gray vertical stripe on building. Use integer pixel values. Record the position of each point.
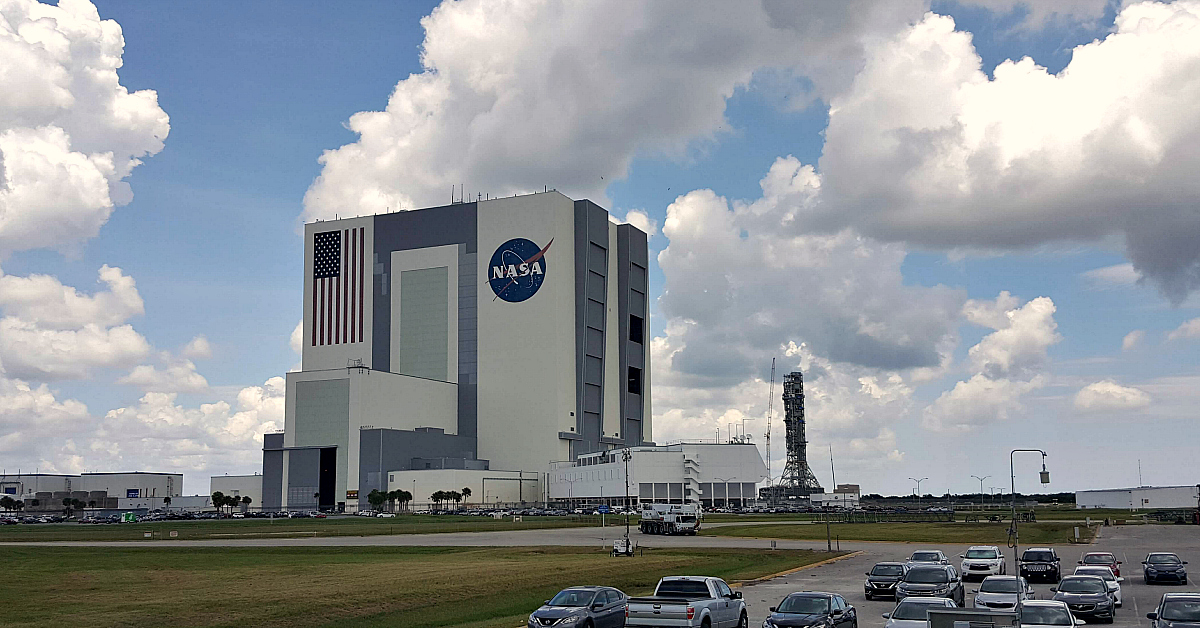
(591, 302)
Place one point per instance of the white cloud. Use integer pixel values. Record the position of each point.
(44, 300)
(69, 131)
(1018, 346)
(31, 352)
(1109, 395)
(518, 95)
(1187, 331)
(1115, 276)
(297, 338)
(977, 401)
(639, 219)
(177, 375)
(33, 418)
(1132, 340)
(1105, 147)
(197, 348)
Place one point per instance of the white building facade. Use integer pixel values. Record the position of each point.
(1140, 498)
(714, 475)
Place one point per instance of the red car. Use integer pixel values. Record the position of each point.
(1102, 559)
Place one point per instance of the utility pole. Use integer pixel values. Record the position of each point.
(625, 456)
(918, 481)
(981, 479)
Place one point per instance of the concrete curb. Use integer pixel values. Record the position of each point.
(788, 572)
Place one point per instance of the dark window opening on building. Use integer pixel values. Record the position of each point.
(636, 329)
(635, 380)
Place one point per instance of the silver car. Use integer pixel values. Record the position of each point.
(1002, 592)
(914, 612)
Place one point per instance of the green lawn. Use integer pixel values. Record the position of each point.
(418, 587)
(271, 528)
(981, 533)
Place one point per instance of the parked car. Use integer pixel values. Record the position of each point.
(1040, 563)
(386, 515)
(1002, 592)
(883, 578)
(914, 612)
(1164, 567)
(599, 607)
(1176, 610)
(928, 557)
(1087, 597)
(1104, 559)
(1113, 582)
(982, 561)
(1045, 613)
(688, 602)
(812, 608)
(932, 581)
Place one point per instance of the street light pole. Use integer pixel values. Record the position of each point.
(625, 456)
(1012, 474)
(981, 479)
(918, 481)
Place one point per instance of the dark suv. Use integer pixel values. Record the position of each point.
(1040, 563)
(932, 581)
(882, 579)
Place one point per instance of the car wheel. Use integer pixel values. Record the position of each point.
(1184, 583)
(705, 623)
(744, 622)
(869, 598)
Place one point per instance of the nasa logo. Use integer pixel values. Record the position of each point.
(517, 269)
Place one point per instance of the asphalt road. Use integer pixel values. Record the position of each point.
(1128, 543)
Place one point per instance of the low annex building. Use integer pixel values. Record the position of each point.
(1141, 497)
(98, 490)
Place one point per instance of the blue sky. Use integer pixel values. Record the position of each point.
(256, 95)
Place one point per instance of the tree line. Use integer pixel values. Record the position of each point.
(378, 498)
(221, 500)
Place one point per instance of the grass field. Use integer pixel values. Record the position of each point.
(264, 528)
(412, 587)
(966, 533)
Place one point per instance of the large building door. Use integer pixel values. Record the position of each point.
(327, 477)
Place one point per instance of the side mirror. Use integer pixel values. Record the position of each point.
(1185, 562)
(887, 615)
(772, 609)
(962, 555)
(1079, 562)
(1120, 579)
(737, 595)
(974, 591)
(1151, 615)
(1053, 589)
(837, 612)
(1120, 561)
(546, 602)
(597, 606)
(1079, 622)
(866, 573)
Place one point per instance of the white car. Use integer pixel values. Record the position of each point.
(982, 561)
(1002, 592)
(1047, 613)
(1113, 582)
(386, 515)
(913, 612)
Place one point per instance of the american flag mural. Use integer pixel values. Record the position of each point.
(338, 284)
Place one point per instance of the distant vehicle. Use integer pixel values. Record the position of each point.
(597, 607)
(1113, 582)
(982, 561)
(882, 580)
(1087, 597)
(914, 612)
(1164, 567)
(239, 515)
(688, 602)
(1176, 610)
(1104, 559)
(670, 519)
(1039, 613)
(812, 608)
(1040, 563)
(932, 581)
(1002, 592)
(386, 515)
(928, 557)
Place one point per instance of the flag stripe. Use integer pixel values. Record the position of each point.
(322, 311)
(346, 292)
(352, 275)
(312, 323)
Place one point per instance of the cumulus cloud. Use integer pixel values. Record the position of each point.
(197, 348)
(44, 300)
(639, 219)
(32, 415)
(1105, 147)
(33, 352)
(175, 376)
(70, 133)
(1187, 331)
(1115, 276)
(1008, 363)
(1109, 395)
(1132, 340)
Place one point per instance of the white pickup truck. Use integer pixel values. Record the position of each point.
(688, 602)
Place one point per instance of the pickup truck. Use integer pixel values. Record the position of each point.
(688, 602)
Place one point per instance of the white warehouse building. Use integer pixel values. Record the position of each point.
(1141, 497)
(714, 475)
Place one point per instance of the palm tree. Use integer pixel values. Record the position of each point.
(391, 500)
(167, 502)
(376, 499)
(405, 497)
(466, 492)
(246, 499)
(218, 500)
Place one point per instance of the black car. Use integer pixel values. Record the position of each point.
(812, 608)
(1087, 597)
(1177, 610)
(1040, 563)
(599, 607)
(882, 579)
(1164, 567)
(932, 581)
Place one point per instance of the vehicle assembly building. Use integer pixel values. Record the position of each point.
(478, 340)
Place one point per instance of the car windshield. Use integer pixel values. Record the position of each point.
(1099, 559)
(1164, 559)
(998, 585)
(805, 604)
(682, 588)
(986, 554)
(1099, 572)
(1082, 585)
(1181, 610)
(927, 576)
(1046, 616)
(914, 609)
(573, 597)
(1040, 556)
(925, 556)
(887, 570)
